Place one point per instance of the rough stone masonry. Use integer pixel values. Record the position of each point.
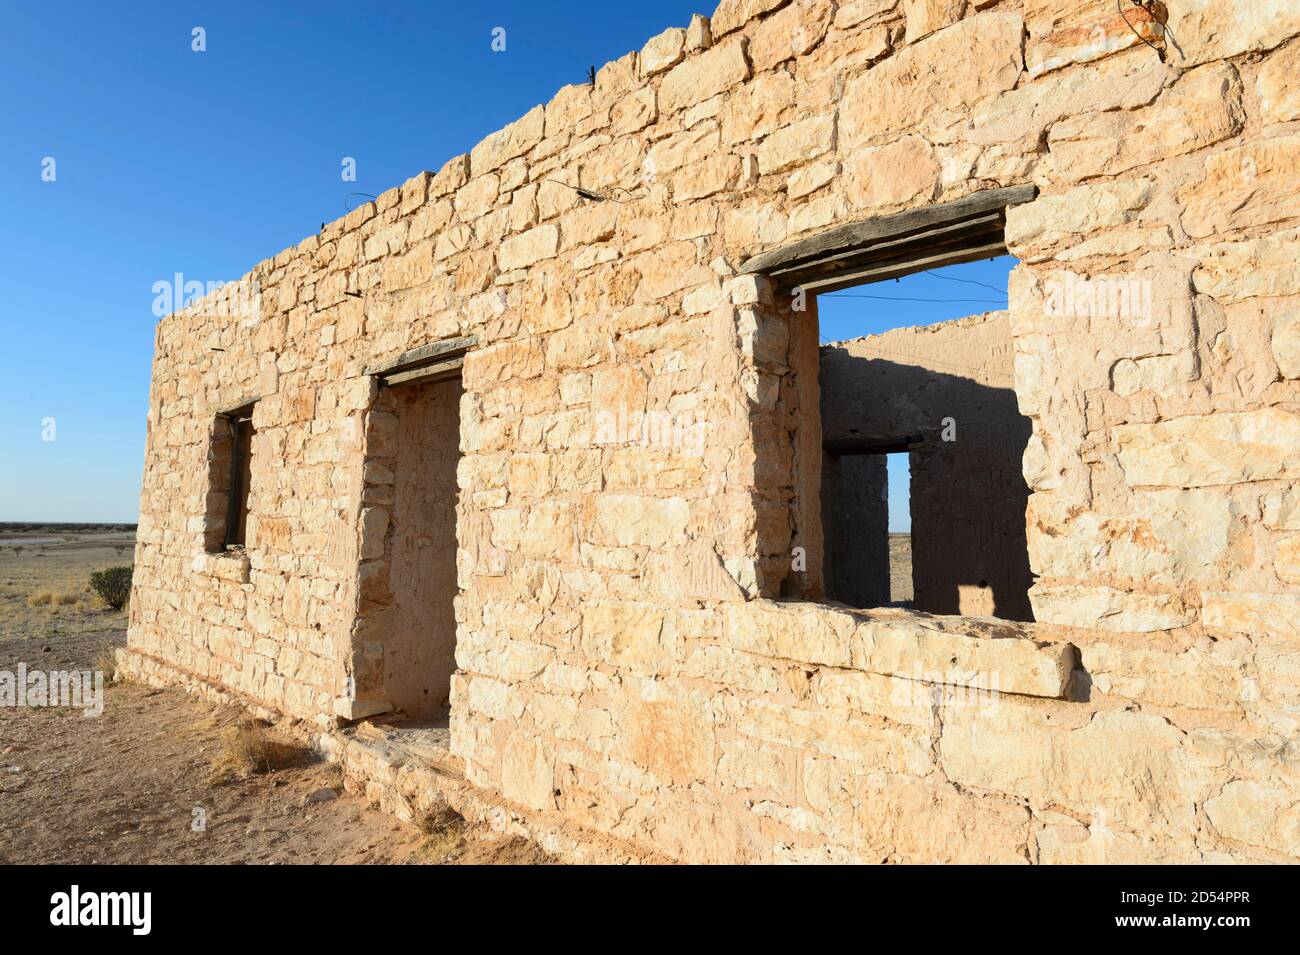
(642, 642)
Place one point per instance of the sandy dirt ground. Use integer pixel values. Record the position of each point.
(900, 569)
(162, 776)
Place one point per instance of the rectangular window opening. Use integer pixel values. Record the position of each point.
(230, 474)
(922, 495)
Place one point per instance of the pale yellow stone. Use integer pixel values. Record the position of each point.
(797, 143)
(733, 14)
(1132, 769)
(926, 16)
(1252, 614)
(663, 51)
(1260, 814)
(1286, 560)
(507, 143)
(528, 772)
(1285, 343)
(956, 67)
(884, 177)
(703, 76)
(1105, 608)
(1252, 185)
(1216, 29)
(1275, 86)
(1233, 271)
(1202, 108)
(1204, 450)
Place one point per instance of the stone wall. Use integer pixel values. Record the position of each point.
(636, 470)
(952, 385)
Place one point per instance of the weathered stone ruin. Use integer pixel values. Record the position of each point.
(601, 324)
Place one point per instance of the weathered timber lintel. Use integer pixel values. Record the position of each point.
(888, 246)
(441, 358)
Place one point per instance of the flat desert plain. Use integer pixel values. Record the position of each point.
(159, 775)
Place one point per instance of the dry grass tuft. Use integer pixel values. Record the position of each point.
(106, 663)
(44, 598)
(444, 835)
(250, 748)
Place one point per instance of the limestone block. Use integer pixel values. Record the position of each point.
(747, 765)
(1163, 374)
(1063, 841)
(1251, 614)
(703, 76)
(663, 51)
(626, 634)
(881, 177)
(528, 772)
(1003, 660)
(791, 32)
(507, 143)
(499, 701)
(630, 520)
(1287, 560)
(758, 108)
(374, 526)
(529, 248)
(1282, 509)
(1204, 678)
(796, 143)
(1205, 450)
(875, 695)
(1202, 108)
(453, 174)
(1034, 227)
(1147, 543)
(809, 179)
(1276, 88)
(805, 633)
(1264, 814)
(1105, 608)
(861, 11)
(1285, 343)
(1024, 114)
(1123, 766)
(924, 822)
(567, 109)
(1233, 271)
(1251, 185)
(926, 16)
(699, 34)
(1217, 29)
(672, 738)
(978, 57)
(732, 14)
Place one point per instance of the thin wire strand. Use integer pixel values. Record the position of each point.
(1119, 8)
(902, 298)
(949, 278)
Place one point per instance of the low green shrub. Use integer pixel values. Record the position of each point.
(113, 586)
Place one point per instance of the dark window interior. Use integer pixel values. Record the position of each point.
(241, 469)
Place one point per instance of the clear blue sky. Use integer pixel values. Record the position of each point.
(168, 160)
(920, 299)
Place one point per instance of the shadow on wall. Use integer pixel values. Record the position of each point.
(968, 493)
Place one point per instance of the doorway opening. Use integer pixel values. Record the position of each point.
(409, 533)
(421, 652)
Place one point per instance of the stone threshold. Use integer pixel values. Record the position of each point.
(407, 770)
